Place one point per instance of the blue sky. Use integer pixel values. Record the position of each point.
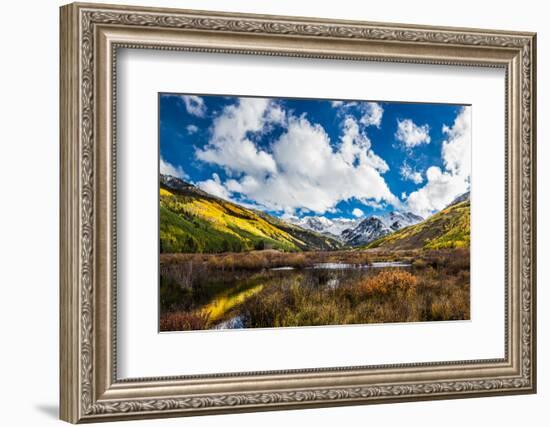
(333, 158)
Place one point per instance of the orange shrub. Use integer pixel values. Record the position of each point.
(389, 281)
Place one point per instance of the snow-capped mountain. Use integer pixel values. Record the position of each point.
(374, 227)
(397, 220)
(371, 228)
(356, 232)
(174, 183)
(320, 224)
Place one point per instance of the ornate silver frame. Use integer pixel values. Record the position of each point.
(90, 36)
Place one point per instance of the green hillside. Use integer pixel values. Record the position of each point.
(196, 222)
(449, 228)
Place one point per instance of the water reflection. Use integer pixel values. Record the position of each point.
(221, 295)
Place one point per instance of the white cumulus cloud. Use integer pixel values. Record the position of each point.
(374, 204)
(443, 186)
(358, 213)
(191, 129)
(411, 134)
(230, 147)
(410, 174)
(355, 146)
(369, 113)
(169, 169)
(307, 172)
(372, 114)
(456, 150)
(194, 105)
(215, 187)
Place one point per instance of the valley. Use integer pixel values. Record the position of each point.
(223, 265)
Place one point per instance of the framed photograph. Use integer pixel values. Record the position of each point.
(266, 212)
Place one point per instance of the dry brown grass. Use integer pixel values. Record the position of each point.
(436, 287)
(256, 260)
(389, 281)
(181, 321)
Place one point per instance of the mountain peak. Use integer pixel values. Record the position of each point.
(351, 231)
(360, 231)
(459, 199)
(366, 231)
(397, 220)
(179, 185)
(321, 224)
(174, 183)
(448, 228)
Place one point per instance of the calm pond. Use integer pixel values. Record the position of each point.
(221, 294)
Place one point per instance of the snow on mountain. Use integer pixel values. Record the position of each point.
(397, 220)
(323, 225)
(356, 232)
(174, 183)
(371, 228)
(374, 227)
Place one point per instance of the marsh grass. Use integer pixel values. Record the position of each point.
(436, 287)
(255, 260)
(182, 321)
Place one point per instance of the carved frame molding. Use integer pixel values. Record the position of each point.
(90, 37)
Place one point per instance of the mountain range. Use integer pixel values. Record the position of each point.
(448, 228)
(320, 224)
(359, 231)
(192, 220)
